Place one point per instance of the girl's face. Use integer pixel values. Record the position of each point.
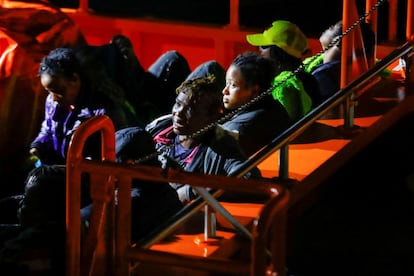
(63, 90)
(235, 93)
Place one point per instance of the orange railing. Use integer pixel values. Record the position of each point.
(392, 16)
(200, 42)
(106, 249)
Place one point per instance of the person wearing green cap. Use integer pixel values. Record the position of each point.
(326, 67)
(285, 44)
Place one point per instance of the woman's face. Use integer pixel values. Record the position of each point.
(63, 90)
(235, 93)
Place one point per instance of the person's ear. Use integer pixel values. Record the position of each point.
(256, 90)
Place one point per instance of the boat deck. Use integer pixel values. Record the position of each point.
(326, 223)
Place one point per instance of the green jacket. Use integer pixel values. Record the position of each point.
(289, 91)
(312, 62)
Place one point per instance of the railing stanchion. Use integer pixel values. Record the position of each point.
(284, 162)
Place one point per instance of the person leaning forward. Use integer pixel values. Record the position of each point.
(214, 151)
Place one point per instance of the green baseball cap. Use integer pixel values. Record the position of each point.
(283, 34)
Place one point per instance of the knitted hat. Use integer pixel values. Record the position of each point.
(133, 143)
(283, 34)
(211, 67)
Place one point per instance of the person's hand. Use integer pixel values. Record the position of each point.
(33, 158)
(34, 151)
(182, 195)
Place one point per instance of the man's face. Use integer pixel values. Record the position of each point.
(189, 117)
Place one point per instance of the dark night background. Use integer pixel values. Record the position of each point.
(313, 17)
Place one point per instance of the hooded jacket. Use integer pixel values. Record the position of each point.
(258, 124)
(218, 153)
(60, 123)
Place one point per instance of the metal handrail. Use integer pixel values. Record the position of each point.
(107, 246)
(281, 142)
(299, 127)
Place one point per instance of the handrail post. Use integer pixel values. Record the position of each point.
(348, 113)
(410, 21)
(346, 66)
(83, 6)
(104, 125)
(209, 223)
(234, 14)
(392, 20)
(372, 20)
(284, 162)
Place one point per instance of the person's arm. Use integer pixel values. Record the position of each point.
(44, 139)
(289, 91)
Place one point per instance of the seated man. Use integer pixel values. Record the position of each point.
(190, 136)
(326, 67)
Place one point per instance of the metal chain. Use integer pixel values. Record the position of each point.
(229, 115)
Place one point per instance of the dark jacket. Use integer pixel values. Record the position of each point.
(217, 154)
(35, 250)
(259, 124)
(328, 76)
(151, 202)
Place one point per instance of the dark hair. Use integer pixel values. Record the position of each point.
(255, 69)
(283, 61)
(60, 61)
(367, 33)
(45, 195)
(121, 41)
(203, 89)
(338, 30)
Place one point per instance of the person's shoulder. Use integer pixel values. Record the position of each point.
(159, 124)
(224, 141)
(312, 62)
(332, 65)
